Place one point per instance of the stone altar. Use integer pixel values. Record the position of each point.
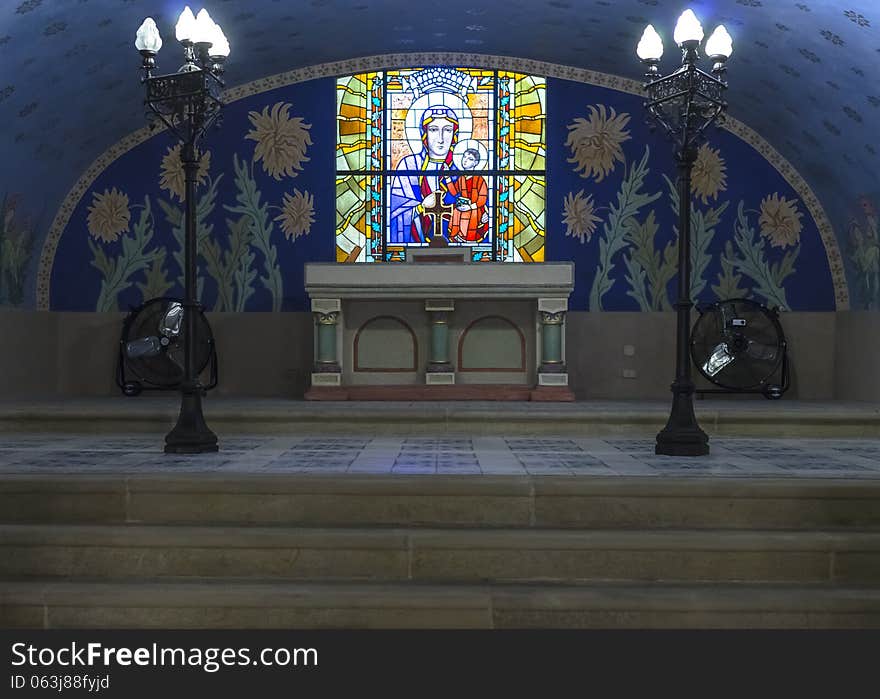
(437, 329)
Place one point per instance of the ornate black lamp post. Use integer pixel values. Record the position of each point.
(187, 102)
(684, 103)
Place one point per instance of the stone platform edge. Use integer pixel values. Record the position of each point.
(582, 418)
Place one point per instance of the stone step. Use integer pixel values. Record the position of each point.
(432, 556)
(442, 501)
(224, 604)
(729, 416)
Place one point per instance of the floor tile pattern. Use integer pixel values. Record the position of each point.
(472, 455)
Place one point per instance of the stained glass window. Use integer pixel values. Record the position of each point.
(457, 152)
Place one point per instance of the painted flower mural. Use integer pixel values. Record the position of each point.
(16, 246)
(780, 221)
(595, 142)
(864, 253)
(297, 214)
(171, 176)
(109, 215)
(709, 176)
(282, 140)
(579, 216)
(256, 230)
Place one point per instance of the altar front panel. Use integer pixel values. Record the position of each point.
(388, 342)
(494, 342)
(383, 342)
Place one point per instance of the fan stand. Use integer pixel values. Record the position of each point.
(132, 387)
(770, 391)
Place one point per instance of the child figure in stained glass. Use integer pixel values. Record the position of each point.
(417, 189)
(470, 219)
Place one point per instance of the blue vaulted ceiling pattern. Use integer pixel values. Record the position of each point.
(803, 73)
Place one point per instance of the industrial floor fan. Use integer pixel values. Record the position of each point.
(739, 346)
(151, 353)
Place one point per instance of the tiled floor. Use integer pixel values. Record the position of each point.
(490, 455)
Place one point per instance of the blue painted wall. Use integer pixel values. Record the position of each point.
(802, 75)
(86, 256)
(748, 180)
(76, 281)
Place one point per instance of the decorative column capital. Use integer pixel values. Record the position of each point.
(330, 318)
(552, 318)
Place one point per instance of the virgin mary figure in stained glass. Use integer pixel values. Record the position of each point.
(421, 181)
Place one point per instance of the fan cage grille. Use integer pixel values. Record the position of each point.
(162, 370)
(760, 335)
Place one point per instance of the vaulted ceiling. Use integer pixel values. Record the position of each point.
(803, 72)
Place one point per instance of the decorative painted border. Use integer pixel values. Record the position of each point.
(403, 60)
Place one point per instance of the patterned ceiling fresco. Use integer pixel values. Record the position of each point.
(800, 75)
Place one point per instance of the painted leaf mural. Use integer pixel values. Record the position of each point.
(16, 249)
(630, 201)
(863, 251)
(117, 270)
(312, 171)
(751, 259)
(630, 246)
(250, 204)
(648, 269)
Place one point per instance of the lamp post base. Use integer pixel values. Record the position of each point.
(191, 434)
(682, 435)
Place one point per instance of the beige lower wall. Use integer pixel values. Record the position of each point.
(28, 354)
(857, 370)
(86, 351)
(44, 355)
(833, 355)
(596, 358)
(811, 354)
(594, 353)
(263, 354)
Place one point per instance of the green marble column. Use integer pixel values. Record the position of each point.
(439, 359)
(326, 357)
(551, 342)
